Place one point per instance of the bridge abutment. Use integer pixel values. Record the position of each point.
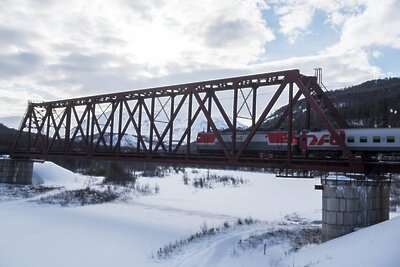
(348, 205)
(15, 171)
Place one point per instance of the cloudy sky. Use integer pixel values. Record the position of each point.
(58, 49)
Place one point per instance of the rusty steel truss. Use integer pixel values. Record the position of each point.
(98, 127)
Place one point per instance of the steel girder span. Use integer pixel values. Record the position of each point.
(161, 124)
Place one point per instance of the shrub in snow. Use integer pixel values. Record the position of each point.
(205, 231)
(185, 178)
(211, 180)
(153, 170)
(296, 238)
(8, 192)
(80, 197)
(118, 175)
(204, 228)
(178, 169)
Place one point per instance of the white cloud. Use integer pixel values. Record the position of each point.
(296, 16)
(294, 20)
(339, 69)
(69, 48)
(378, 25)
(151, 34)
(361, 22)
(57, 49)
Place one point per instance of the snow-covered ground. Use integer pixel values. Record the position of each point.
(129, 232)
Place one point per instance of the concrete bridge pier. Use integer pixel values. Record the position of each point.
(15, 171)
(348, 205)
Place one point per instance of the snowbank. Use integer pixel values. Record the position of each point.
(51, 174)
(378, 245)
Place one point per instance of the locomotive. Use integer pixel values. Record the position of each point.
(361, 141)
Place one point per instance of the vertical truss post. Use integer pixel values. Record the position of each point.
(234, 118)
(171, 130)
(114, 106)
(68, 109)
(93, 120)
(119, 127)
(290, 121)
(254, 106)
(139, 132)
(30, 128)
(209, 93)
(48, 111)
(189, 125)
(151, 121)
(88, 123)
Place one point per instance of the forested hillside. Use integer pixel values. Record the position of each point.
(374, 103)
(6, 137)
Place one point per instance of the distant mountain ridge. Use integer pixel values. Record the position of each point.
(11, 122)
(129, 139)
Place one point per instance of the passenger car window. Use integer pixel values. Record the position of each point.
(376, 139)
(363, 139)
(390, 139)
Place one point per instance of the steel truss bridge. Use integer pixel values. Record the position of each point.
(96, 127)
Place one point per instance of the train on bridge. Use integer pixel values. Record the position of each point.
(364, 143)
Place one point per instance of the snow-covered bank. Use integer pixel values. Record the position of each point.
(50, 174)
(377, 245)
(129, 232)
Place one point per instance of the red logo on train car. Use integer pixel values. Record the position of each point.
(319, 139)
(206, 138)
(280, 138)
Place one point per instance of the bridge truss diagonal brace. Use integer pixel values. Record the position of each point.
(39, 128)
(328, 103)
(322, 117)
(95, 122)
(131, 118)
(153, 126)
(57, 128)
(22, 127)
(78, 127)
(296, 98)
(169, 126)
(110, 118)
(212, 124)
(261, 118)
